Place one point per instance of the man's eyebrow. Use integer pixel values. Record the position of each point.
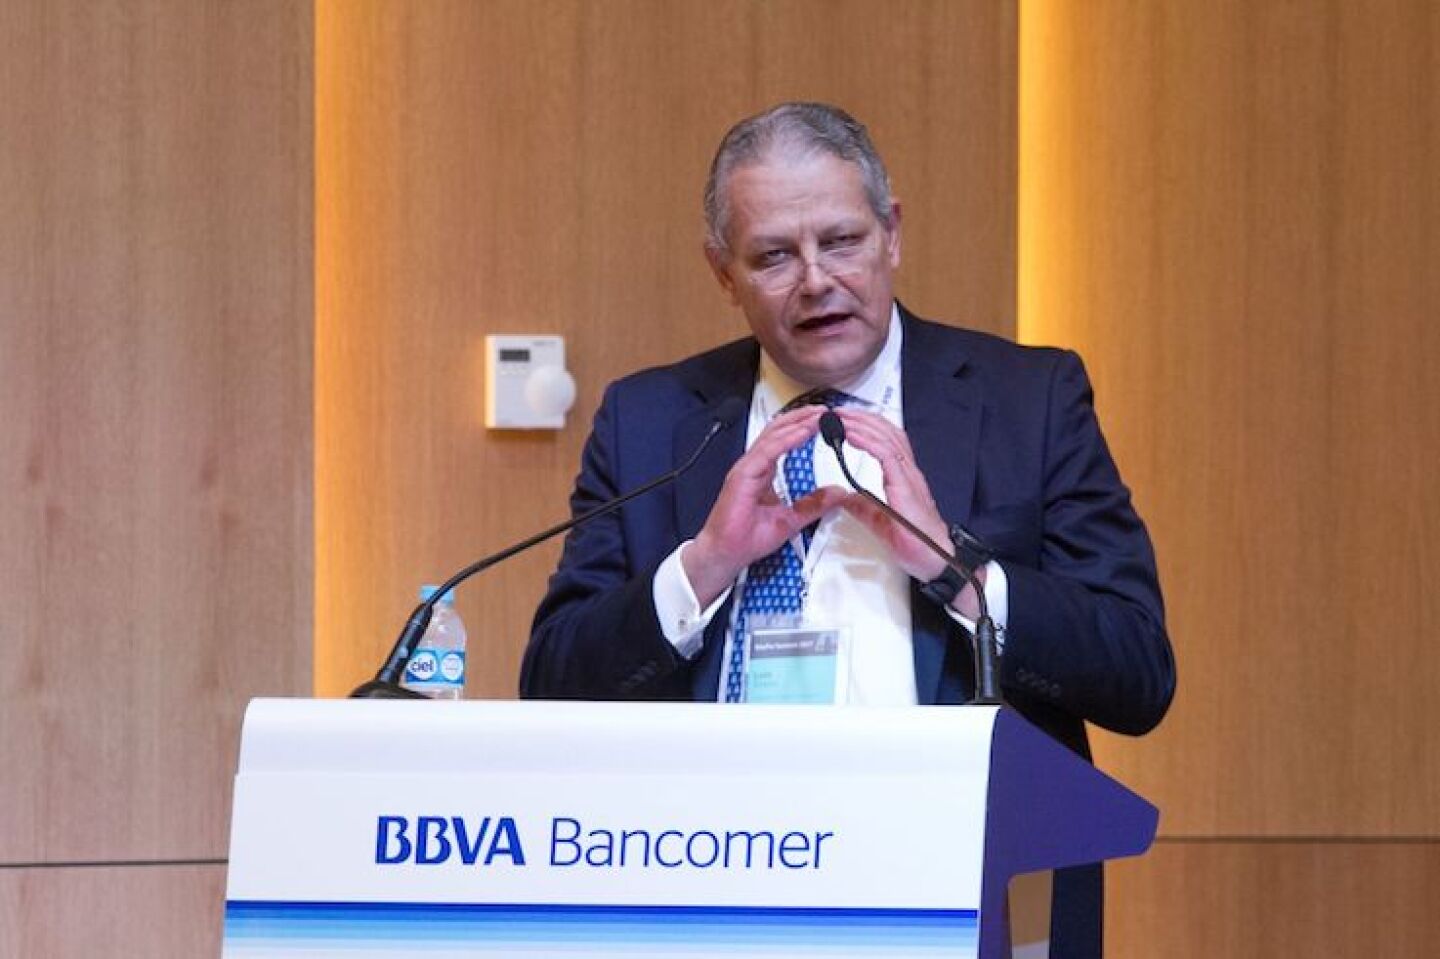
(767, 239)
(845, 225)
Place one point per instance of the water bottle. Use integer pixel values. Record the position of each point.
(437, 667)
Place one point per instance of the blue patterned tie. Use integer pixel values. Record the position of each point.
(775, 584)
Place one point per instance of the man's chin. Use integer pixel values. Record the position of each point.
(828, 363)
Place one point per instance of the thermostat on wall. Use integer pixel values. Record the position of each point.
(526, 384)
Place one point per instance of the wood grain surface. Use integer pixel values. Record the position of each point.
(1231, 210)
(134, 912)
(155, 477)
(1248, 900)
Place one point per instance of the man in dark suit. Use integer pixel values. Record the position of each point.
(959, 429)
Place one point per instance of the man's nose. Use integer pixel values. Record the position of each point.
(815, 278)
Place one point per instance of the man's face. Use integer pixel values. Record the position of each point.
(809, 264)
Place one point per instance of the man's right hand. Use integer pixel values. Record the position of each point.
(749, 520)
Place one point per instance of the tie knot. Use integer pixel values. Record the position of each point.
(823, 396)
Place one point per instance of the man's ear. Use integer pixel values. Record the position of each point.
(719, 261)
(892, 248)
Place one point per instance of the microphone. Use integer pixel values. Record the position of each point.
(986, 649)
(386, 684)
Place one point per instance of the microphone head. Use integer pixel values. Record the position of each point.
(832, 429)
(730, 410)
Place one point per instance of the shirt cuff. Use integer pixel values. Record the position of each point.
(682, 621)
(997, 598)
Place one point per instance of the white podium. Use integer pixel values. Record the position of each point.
(582, 830)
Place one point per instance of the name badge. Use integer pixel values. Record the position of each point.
(796, 664)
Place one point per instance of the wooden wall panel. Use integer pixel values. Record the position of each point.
(155, 331)
(537, 167)
(120, 912)
(1247, 900)
(1231, 210)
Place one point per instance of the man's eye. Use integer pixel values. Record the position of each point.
(768, 258)
(844, 241)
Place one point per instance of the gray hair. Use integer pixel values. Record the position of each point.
(804, 129)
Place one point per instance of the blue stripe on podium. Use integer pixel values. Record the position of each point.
(376, 929)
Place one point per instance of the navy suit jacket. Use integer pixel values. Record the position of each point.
(1008, 439)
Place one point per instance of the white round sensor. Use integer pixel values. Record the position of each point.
(550, 391)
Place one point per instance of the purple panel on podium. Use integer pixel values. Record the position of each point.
(1048, 809)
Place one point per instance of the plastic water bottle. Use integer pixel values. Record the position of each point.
(437, 667)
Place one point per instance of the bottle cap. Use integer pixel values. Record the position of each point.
(429, 590)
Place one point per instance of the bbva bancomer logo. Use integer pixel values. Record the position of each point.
(435, 839)
(496, 840)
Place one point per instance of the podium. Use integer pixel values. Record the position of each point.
(487, 829)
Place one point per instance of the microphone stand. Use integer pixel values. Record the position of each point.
(386, 684)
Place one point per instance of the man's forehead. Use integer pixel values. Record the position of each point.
(781, 189)
(812, 166)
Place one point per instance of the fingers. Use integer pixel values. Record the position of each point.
(780, 436)
(870, 515)
(912, 554)
(749, 519)
(881, 439)
(808, 509)
(875, 518)
(888, 444)
(906, 490)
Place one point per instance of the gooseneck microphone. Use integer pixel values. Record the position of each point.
(986, 649)
(386, 684)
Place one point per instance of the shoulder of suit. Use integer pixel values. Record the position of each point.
(694, 374)
(986, 350)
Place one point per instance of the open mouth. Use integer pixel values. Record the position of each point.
(819, 324)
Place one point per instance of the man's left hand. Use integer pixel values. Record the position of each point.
(908, 493)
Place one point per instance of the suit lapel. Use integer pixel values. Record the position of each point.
(730, 375)
(942, 420)
(698, 489)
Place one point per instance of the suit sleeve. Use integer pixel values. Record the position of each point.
(1086, 633)
(595, 634)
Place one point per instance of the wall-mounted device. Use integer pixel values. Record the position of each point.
(526, 384)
